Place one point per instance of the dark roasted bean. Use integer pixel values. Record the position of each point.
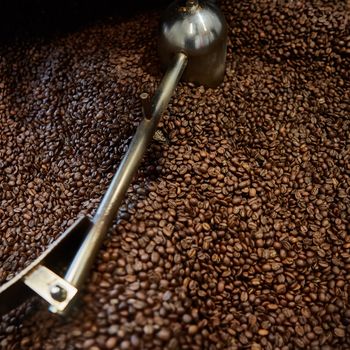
(235, 231)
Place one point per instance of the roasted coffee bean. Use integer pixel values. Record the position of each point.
(234, 233)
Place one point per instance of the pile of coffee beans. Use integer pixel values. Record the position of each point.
(235, 232)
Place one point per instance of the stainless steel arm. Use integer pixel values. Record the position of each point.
(114, 196)
(194, 32)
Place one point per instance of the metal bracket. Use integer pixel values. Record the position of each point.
(40, 276)
(51, 287)
(79, 245)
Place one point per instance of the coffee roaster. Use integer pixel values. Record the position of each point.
(192, 47)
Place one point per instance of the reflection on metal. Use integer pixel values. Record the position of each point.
(51, 287)
(193, 43)
(55, 258)
(199, 30)
(114, 196)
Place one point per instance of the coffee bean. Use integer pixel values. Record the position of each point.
(111, 343)
(193, 329)
(221, 286)
(339, 332)
(155, 257)
(124, 345)
(244, 296)
(255, 346)
(263, 332)
(280, 288)
(252, 192)
(164, 334)
(234, 232)
(148, 329)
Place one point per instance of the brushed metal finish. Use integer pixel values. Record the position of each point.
(199, 30)
(56, 257)
(42, 281)
(114, 196)
(193, 45)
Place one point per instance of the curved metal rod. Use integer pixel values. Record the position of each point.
(114, 196)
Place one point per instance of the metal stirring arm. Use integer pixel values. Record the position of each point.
(194, 37)
(81, 242)
(114, 196)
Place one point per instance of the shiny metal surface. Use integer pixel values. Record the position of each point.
(55, 257)
(193, 45)
(114, 196)
(198, 29)
(43, 281)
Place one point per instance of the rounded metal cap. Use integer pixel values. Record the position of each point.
(198, 29)
(193, 29)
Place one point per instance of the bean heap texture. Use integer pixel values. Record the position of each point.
(235, 232)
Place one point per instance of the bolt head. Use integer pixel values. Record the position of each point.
(58, 292)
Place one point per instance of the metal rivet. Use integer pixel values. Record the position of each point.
(58, 292)
(146, 105)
